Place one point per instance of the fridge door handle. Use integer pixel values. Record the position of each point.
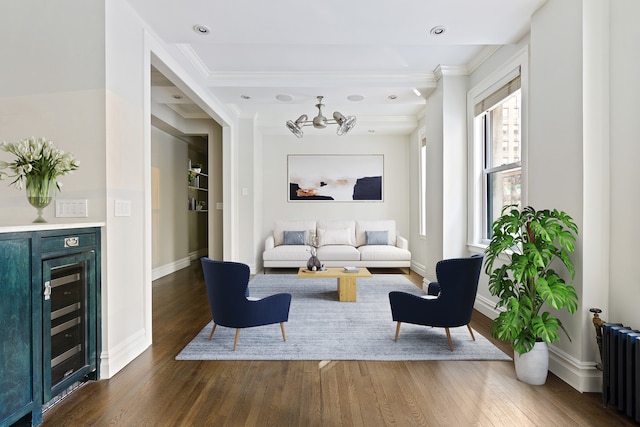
(47, 290)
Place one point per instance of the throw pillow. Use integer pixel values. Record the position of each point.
(337, 236)
(295, 237)
(377, 237)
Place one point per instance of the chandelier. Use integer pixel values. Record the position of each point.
(345, 124)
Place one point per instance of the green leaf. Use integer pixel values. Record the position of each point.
(535, 239)
(545, 327)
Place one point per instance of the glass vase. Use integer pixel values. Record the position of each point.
(39, 194)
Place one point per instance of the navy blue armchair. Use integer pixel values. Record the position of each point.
(231, 306)
(449, 301)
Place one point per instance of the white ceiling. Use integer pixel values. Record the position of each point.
(375, 49)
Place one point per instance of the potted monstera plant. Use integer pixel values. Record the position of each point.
(527, 284)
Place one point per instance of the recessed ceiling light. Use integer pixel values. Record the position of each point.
(177, 96)
(201, 29)
(355, 97)
(392, 97)
(438, 30)
(371, 131)
(245, 97)
(284, 98)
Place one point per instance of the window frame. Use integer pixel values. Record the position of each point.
(478, 209)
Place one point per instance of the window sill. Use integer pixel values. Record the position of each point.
(479, 248)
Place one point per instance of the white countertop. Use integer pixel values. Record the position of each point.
(48, 226)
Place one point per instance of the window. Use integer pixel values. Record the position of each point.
(423, 181)
(498, 122)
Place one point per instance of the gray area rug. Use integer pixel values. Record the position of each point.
(322, 328)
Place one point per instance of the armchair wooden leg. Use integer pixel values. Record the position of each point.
(235, 341)
(212, 330)
(471, 332)
(397, 330)
(284, 337)
(449, 338)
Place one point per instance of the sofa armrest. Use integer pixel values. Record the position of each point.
(402, 243)
(269, 243)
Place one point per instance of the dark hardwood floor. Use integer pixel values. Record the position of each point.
(156, 390)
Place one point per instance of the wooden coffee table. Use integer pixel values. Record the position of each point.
(346, 281)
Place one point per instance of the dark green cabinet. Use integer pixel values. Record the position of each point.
(49, 317)
(16, 314)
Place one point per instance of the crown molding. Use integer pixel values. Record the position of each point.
(450, 70)
(194, 59)
(481, 57)
(304, 79)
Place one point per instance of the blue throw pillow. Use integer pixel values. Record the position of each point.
(295, 237)
(377, 237)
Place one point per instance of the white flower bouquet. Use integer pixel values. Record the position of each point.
(37, 160)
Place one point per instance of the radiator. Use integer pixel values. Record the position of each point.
(621, 369)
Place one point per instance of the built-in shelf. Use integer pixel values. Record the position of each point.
(198, 188)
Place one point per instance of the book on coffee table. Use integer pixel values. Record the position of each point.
(351, 269)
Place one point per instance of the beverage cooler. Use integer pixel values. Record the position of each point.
(69, 331)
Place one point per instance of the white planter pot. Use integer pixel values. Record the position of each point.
(533, 366)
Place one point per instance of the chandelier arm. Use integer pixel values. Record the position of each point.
(320, 121)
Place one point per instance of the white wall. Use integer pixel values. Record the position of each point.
(580, 159)
(89, 101)
(202, 230)
(624, 285)
(171, 237)
(246, 193)
(454, 166)
(275, 188)
(427, 251)
(127, 272)
(445, 130)
(65, 103)
(555, 151)
(126, 288)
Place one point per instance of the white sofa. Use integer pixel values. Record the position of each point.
(340, 243)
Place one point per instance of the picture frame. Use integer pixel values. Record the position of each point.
(335, 178)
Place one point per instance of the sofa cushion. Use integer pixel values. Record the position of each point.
(297, 237)
(383, 253)
(363, 226)
(287, 253)
(377, 237)
(349, 225)
(289, 225)
(336, 236)
(338, 253)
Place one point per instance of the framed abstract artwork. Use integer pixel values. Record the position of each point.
(339, 177)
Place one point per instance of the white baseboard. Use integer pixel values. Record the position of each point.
(418, 268)
(114, 359)
(486, 307)
(195, 256)
(179, 264)
(166, 269)
(583, 376)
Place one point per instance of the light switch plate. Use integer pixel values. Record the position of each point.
(71, 208)
(122, 208)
